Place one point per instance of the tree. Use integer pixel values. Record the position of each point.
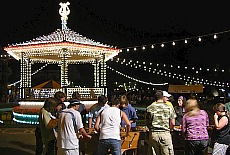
(5, 72)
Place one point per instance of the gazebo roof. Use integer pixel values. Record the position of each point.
(50, 48)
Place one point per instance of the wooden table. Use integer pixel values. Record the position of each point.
(89, 146)
(130, 142)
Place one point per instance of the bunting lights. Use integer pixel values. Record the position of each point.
(186, 40)
(134, 79)
(41, 68)
(166, 70)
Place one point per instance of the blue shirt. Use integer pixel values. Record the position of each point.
(95, 110)
(131, 114)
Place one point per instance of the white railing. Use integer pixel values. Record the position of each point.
(43, 93)
(86, 93)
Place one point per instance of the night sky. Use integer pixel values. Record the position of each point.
(129, 24)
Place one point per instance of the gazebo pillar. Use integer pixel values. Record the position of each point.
(103, 72)
(96, 74)
(29, 73)
(25, 84)
(64, 69)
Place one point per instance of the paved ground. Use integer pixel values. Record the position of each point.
(17, 141)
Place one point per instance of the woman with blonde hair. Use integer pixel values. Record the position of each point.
(221, 130)
(194, 128)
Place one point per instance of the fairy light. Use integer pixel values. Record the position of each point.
(177, 76)
(35, 72)
(137, 80)
(215, 36)
(185, 40)
(53, 43)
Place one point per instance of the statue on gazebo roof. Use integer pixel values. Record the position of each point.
(64, 11)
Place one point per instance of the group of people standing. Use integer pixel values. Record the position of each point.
(107, 117)
(194, 122)
(61, 127)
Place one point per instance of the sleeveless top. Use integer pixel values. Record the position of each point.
(223, 135)
(110, 123)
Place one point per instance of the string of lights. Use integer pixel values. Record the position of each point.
(134, 79)
(194, 69)
(167, 73)
(186, 40)
(160, 69)
(35, 72)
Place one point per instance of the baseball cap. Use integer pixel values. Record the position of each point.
(74, 102)
(166, 94)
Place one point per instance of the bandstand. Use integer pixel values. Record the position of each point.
(62, 47)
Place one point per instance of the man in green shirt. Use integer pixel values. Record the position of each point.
(160, 121)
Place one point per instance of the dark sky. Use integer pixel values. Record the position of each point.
(127, 23)
(119, 23)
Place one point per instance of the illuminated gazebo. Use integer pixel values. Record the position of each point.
(62, 47)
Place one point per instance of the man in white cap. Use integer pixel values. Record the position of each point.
(166, 99)
(166, 94)
(69, 124)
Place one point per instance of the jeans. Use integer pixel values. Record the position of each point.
(196, 147)
(113, 144)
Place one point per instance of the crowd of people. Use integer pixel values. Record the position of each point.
(194, 124)
(60, 128)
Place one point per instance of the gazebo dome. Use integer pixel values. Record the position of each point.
(61, 36)
(48, 48)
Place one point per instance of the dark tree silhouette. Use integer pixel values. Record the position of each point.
(5, 72)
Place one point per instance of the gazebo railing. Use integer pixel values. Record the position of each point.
(86, 93)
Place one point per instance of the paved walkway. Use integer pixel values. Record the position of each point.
(17, 141)
(17, 131)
